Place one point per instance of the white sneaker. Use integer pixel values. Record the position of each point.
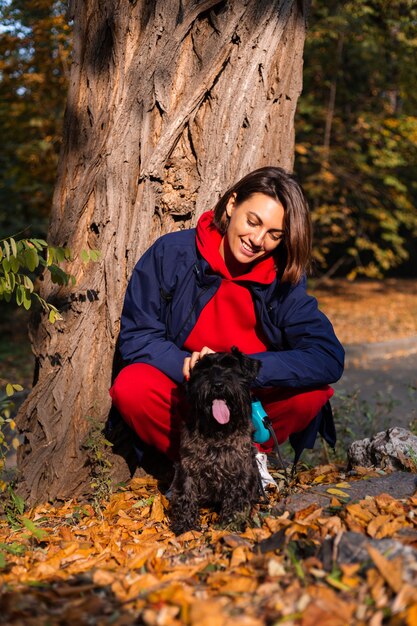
(266, 477)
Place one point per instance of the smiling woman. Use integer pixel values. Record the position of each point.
(238, 279)
(254, 231)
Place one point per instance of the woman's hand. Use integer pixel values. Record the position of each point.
(190, 361)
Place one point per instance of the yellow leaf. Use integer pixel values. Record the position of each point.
(338, 492)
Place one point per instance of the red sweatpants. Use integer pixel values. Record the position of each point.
(151, 403)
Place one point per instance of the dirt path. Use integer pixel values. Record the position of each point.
(370, 311)
(377, 323)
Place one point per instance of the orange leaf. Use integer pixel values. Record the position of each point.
(232, 584)
(208, 613)
(412, 615)
(239, 555)
(376, 523)
(157, 511)
(103, 577)
(391, 571)
(359, 513)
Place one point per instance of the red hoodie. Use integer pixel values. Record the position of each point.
(228, 319)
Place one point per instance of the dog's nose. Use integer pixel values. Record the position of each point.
(217, 385)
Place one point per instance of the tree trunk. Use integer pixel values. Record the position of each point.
(169, 103)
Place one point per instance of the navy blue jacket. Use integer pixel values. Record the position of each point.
(169, 288)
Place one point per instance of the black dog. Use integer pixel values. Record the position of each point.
(217, 457)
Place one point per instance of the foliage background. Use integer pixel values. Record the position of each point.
(34, 64)
(357, 136)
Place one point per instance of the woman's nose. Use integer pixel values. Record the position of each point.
(258, 237)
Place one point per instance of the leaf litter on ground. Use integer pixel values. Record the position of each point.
(125, 566)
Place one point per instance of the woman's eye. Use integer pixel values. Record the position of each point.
(251, 223)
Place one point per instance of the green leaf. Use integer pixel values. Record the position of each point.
(33, 529)
(6, 265)
(13, 246)
(85, 257)
(14, 548)
(27, 302)
(28, 283)
(6, 249)
(297, 565)
(12, 281)
(31, 258)
(95, 255)
(59, 254)
(39, 244)
(20, 290)
(9, 389)
(17, 387)
(17, 501)
(14, 264)
(3, 561)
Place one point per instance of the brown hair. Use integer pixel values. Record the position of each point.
(293, 254)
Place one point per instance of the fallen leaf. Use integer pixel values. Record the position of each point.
(158, 511)
(391, 571)
(275, 568)
(239, 556)
(411, 618)
(338, 492)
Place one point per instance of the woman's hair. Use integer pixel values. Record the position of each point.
(293, 254)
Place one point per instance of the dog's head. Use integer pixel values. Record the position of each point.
(219, 390)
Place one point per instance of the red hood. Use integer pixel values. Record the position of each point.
(208, 244)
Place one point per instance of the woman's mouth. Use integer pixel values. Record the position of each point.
(247, 249)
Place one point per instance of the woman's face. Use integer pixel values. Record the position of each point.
(254, 231)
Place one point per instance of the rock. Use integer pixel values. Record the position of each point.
(392, 449)
(353, 548)
(398, 485)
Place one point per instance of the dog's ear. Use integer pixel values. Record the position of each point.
(250, 367)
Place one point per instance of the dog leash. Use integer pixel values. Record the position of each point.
(264, 431)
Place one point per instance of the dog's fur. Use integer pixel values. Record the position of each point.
(217, 460)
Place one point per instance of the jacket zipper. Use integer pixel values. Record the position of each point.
(190, 313)
(200, 295)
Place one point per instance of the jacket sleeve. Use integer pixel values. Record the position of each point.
(312, 355)
(142, 330)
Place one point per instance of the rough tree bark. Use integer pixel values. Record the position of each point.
(169, 103)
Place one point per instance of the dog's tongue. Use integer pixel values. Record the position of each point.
(221, 411)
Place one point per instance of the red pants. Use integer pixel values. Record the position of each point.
(152, 404)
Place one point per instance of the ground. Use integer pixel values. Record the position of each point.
(331, 547)
(370, 311)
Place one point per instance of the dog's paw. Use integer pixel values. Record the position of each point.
(179, 527)
(236, 520)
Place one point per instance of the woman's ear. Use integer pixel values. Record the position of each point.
(231, 204)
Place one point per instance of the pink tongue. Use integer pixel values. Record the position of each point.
(221, 411)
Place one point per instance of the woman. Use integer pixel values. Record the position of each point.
(237, 279)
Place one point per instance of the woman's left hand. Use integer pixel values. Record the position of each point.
(190, 361)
